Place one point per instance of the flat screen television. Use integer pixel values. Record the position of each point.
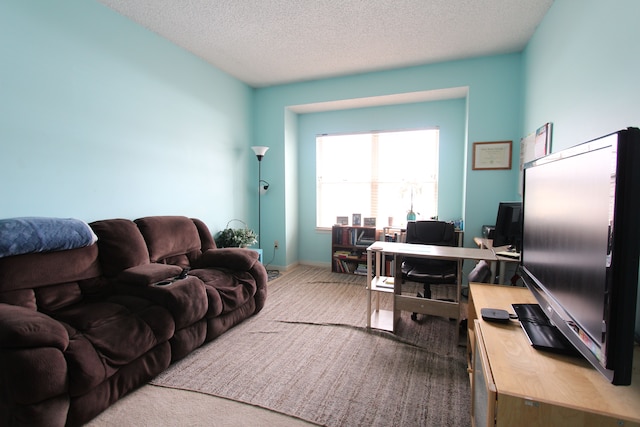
(508, 229)
(580, 246)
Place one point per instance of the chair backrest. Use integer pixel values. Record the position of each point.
(437, 233)
(431, 233)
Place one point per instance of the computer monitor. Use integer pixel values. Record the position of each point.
(508, 229)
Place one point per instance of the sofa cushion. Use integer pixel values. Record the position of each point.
(106, 335)
(42, 269)
(169, 236)
(23, 328)
(231, 258)
(46, 281)
(205, 235)
(121, 245)
(226, 290)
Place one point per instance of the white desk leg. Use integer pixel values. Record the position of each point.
(369, 278)
(397, 288)
(458, 299)
(379, 258)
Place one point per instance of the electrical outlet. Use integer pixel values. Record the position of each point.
(276, 245)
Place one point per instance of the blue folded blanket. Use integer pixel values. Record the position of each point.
(34, 234)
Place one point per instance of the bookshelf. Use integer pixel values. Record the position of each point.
(349, 248)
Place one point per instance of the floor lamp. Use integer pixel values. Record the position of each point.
(262, 185)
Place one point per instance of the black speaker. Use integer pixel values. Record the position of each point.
(487, 231)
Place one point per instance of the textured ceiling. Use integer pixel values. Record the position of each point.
(269, 42)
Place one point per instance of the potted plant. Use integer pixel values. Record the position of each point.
(236, 237)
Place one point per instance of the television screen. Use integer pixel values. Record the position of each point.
(580, 246)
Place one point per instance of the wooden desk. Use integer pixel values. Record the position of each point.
(376, 282)
(534, 388)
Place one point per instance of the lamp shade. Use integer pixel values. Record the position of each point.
(260, 151)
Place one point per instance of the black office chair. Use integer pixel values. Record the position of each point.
(425, 270)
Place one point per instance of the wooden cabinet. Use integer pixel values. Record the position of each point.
(514, 384)
(349, 248)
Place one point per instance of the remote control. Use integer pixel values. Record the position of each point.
(183, 274)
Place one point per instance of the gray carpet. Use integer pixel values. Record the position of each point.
(309, 355)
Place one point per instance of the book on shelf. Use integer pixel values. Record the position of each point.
(361, 269)
(365, 242)
(354, 236)
(345, 236)
(348, 266)
(342, 254)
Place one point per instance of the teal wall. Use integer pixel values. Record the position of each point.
(100, 118)
(448, 115)
(581, 70)
(490, 112)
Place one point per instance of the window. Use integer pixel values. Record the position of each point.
(381, 175)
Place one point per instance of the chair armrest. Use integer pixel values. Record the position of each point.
(238, 259)
(21, 327)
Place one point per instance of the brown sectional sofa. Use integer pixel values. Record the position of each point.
(81, 327)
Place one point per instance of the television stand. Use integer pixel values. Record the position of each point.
(541, 333)
(513, 384)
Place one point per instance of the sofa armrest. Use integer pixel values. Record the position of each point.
(21, 327)
(34, 382)
(238, 259)
(185, 298)
(148, 274)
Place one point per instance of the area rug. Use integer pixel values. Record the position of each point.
(308, 354)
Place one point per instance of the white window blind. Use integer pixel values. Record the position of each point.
(377, 175)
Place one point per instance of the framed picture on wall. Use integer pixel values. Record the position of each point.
(492, 155)
(532, 147)
(356, 219)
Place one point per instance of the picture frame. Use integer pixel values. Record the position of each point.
(369, 222)
(542, 145)
(356, 219)
(532, 147)
(342, 220)
(492, 155)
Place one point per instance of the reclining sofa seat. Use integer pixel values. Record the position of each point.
(233, 278)
(125, 261)
(63, 354)
(223, 286)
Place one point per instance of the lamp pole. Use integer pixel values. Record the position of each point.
(260, 152)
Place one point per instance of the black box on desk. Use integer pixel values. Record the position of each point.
(487, 231)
